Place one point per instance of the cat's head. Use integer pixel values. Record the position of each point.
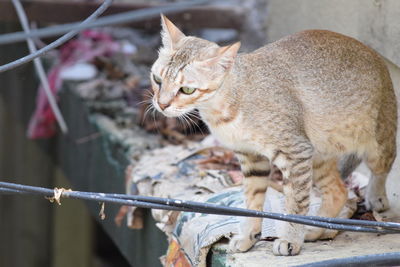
(188, 70)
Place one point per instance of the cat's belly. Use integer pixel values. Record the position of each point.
(341, 137)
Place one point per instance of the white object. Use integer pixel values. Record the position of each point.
(128, 48)
(79, 72)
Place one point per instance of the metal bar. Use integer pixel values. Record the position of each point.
(174, 204)
(56, 43)
(39, 68)
(121, 18)
(61, 11)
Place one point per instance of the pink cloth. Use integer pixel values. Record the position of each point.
(89, 45)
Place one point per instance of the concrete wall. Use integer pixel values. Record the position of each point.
(373, 22)
(393, 183)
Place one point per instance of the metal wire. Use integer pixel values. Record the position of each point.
(198, 207)
(121, 18)
(39, 67)
(57, 42)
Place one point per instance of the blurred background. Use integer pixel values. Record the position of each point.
(100, 77)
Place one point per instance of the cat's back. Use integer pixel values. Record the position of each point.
(324, 69)
(318, 46)
(312, 50)
(320, 53)
(326, 82)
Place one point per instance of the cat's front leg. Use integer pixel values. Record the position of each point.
(295, 163)
(256, 170)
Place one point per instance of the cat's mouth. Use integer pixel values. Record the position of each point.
(169, 111)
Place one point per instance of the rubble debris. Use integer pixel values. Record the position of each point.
(78, 72)
(122, 212)
(196, 172)
(362, 213)
(90, 44)
(132, 140)
(218, 158)
(358, 182)
(102, 213)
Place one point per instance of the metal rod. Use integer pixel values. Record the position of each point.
(130, 16)
(57, 42)
(182, 205)
(39, 67)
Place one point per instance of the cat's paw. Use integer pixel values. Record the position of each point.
(329, 234)
(285, 248)
(320, 234)
(377, 203)
(313, 234)
(241, 243)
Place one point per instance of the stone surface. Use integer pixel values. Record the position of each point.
(345, 245)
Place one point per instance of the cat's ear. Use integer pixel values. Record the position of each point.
(224, 57)
(170, 34)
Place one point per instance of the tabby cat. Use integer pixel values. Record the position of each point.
(300, 103)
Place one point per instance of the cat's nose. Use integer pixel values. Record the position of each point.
(163, 106)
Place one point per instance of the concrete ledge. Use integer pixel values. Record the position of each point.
(345, 245)
(93, 156)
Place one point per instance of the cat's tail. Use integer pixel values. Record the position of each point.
(348, 164)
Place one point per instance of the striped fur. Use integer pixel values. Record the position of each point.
(256, 170)
(299, 104)
(334, 194)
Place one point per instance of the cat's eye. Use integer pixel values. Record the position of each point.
(157, 80)
(187, 90)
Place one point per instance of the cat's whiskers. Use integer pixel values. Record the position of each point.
(146, 101)
(196, 116)
(149, 92)
(186, 122)
(191, 123)
(154, 119)
(182, 118)
(148, 108)
(180, 121)
(148, 95)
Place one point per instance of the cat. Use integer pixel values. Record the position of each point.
(300, 103)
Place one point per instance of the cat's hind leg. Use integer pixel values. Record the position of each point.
(379, 161)
(333, 193)
(256, 170)
(380, 154)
